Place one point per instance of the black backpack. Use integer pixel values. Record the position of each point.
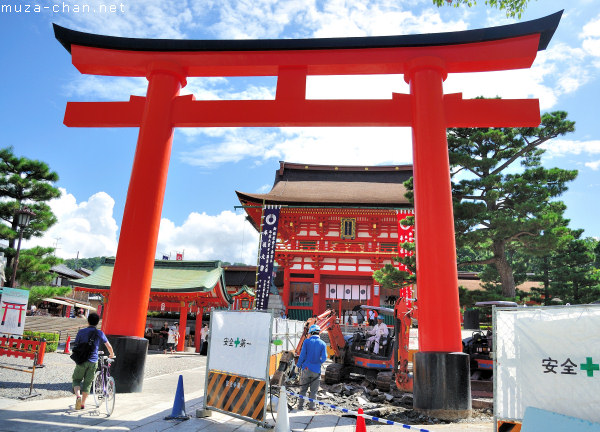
(83, 350)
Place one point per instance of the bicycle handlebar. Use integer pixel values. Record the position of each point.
(104, 357)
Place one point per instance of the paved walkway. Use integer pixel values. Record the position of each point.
(145, 412)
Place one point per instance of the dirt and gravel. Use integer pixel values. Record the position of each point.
(54, 379)
(392, 405)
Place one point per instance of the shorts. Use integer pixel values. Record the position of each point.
(84, 372)
(171, 345)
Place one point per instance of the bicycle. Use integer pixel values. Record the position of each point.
(103, 386)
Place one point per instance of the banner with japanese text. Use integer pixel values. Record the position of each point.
(264, 270)
(549, 358)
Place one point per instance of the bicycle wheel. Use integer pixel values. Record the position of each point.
(97, 389)
(109, 395)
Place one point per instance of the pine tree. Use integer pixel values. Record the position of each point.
(500, 207)
(27, 182)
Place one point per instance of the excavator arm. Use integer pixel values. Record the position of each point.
(327, 321)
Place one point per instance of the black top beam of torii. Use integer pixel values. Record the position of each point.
(545, 26)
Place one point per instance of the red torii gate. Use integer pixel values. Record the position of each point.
(425, 60)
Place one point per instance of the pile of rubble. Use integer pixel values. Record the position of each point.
(393, 405)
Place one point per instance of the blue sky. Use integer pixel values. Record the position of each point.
(208, 165)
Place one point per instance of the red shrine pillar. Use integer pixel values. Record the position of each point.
(183, 311)
(134, 264)
(198, 329)
(442, 377)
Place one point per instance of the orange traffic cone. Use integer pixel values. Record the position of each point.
(361, 426)
(67, 345)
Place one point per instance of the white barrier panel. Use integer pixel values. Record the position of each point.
(240, 342)
(548, 358)
(289, 332)
(237, 378)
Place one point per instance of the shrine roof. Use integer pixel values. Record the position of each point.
(545, 26)
(362, 186)
(65, 271)
(245, 289)
(167, 277)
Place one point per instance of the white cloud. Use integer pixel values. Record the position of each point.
(349, 146)
(559, 147)
(226, 237)
(546, 80)
(141, 19)
(595, 165)
(93, 88)
(87, 228)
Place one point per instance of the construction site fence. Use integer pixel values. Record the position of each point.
(547, 357)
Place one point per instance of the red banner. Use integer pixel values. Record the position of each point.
(405, 234)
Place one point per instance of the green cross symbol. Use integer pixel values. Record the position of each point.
(237, 342)
(590, 367)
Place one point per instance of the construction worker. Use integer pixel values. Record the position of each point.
(312, 356)
(378, 331)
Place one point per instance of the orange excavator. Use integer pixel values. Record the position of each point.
(349, 353)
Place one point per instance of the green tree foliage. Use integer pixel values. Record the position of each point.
(34, 266)
(391, 277)
(24, 182)
(505, 200)
(513, 8)
(38, 293)
(569, 272)
(88, 263)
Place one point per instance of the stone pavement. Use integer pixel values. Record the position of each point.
(145, 412)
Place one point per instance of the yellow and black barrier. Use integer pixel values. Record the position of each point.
(236, 394)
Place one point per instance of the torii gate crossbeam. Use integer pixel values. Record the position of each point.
(424, 60)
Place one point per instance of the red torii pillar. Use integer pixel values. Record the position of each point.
(442, 382)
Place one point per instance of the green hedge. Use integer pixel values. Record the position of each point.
(51, 339)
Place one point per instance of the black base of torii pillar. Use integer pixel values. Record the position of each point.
(128, 368)
(442, 385)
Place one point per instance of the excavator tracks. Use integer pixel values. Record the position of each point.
(335, 372)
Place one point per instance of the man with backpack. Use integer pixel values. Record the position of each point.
(85, 354)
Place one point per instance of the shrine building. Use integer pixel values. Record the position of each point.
(338, 224)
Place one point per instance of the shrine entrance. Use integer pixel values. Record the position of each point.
(442, 379)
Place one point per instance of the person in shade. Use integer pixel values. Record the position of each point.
(204, 339)
(312, 356)
(83, 375)
(164, 336)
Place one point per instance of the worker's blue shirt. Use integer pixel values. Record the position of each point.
(313, 354)
(84, 335)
